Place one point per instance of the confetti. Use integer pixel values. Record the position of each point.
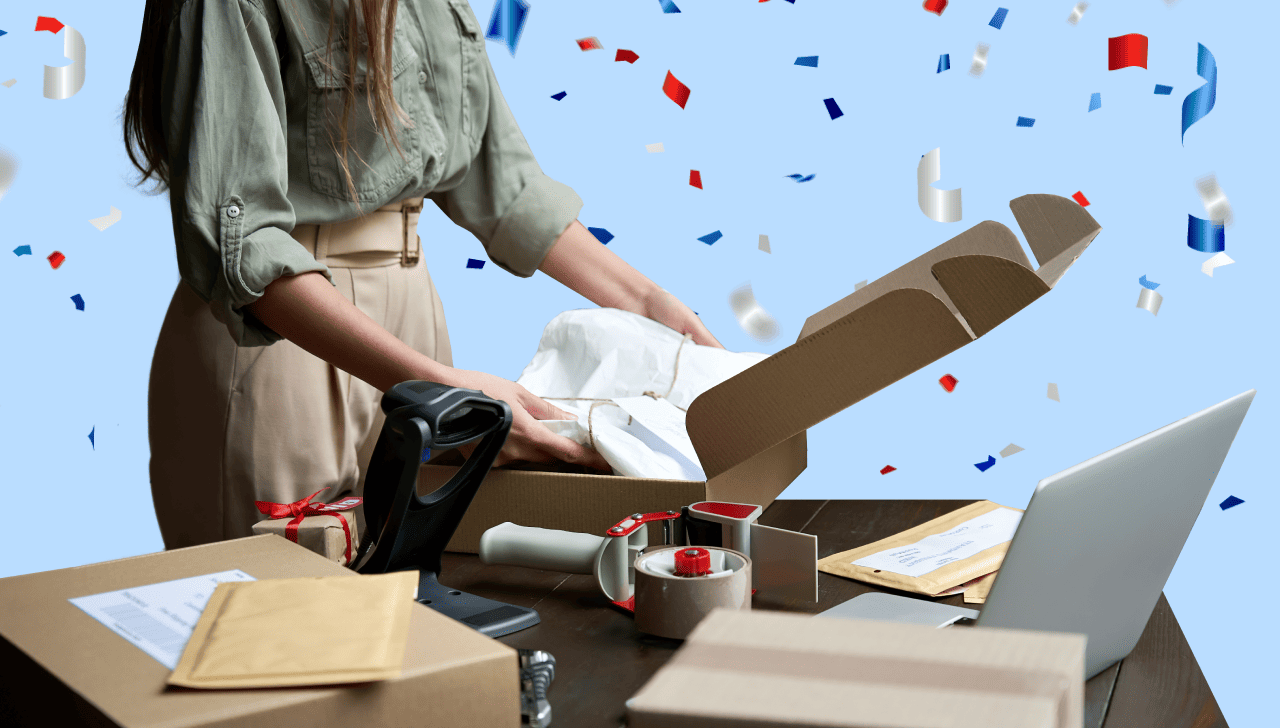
(889, 468)
(507, 22)
(559, 96)
(764, 244)
(590, 44)
(1095, 101)
(1216, 261)
(654, 148)
(676, 91)
(801, 177)
(1199, 103)
(833, 109)
(979, 60)
(669, 6)
(50, 24)
(695, 178)
(1053, 392)
(1230, 502)
(601, 234)
(985, 466)
(4, 32)
(1124, 51)
(56, 259)
(473, 263)
(1163, 90)
(711, 238)
(810, 61)
(78, 301)
(753, 319)
(935, 6)
(22, 250)
(859, 285)
(1148, 284)
(1079, 197)
(944, 62)
(997, 20)
(1011, 450)
(92, 444)
(1149, 300)
(1214, 199)
(947, 381)
(938, 205)
(111, 218)
(1077, 12)
(1205, 235)
(8, 170)
(9, 83)
(1026, 121)
(63, 82)
(625, 55)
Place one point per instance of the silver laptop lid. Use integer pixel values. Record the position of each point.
(1099, 540)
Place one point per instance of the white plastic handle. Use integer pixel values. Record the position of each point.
(541, 548)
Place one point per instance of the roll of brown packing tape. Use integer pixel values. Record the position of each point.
(671, 606)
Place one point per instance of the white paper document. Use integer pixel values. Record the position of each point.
(932, 552)
(157, 618)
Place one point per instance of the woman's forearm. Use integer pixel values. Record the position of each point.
(307, 310)
(581, 263)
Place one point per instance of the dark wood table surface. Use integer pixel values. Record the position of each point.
(601, 660)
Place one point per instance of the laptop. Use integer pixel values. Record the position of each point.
(1097, 542)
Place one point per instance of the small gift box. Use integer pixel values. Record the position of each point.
(320, 527)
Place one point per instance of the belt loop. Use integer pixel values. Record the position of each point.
(322, 241)
(408, 256)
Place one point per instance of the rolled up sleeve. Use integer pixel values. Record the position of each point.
(226, 137)
(514, 210)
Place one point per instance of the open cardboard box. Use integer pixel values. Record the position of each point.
(749, 431)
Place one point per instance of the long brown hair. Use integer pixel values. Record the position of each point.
(144, 119)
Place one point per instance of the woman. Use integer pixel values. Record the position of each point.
(295, 170)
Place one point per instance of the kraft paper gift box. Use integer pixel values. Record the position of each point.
(329, 529)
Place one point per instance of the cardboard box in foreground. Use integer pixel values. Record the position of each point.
(749, 431)
(775, 669)
(59, 666)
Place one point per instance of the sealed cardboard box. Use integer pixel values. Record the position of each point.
(749, 431)
(60, 666)
(776, 669)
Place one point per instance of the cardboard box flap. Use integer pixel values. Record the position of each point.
(988, 290)
(1058, 230)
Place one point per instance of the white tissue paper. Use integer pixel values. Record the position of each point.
(607, 353)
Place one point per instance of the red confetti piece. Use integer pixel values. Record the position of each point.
(676, 91)
(1126, 50)
(56, 258)
(1079, 197)
(695, 178)
(628, 56)
(935, 6)
(590, 44)
(887, 469)
(948, 383)
(50, 24)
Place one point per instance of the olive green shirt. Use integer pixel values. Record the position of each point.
(246, 95)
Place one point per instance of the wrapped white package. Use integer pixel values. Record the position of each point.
(610, 354)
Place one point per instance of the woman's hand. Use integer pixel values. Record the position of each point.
(667, 310)
(529, 441)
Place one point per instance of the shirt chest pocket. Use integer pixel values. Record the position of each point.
(475, 79)
(377, 167)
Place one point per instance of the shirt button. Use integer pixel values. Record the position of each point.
(422, 77)
(233, 211)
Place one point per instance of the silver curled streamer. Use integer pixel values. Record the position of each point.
(938, 205)
(1150, 300)
(751, 316)
(63, 82)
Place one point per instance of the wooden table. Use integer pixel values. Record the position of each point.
(601, 660)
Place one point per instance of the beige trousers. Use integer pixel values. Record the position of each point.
(229, 425)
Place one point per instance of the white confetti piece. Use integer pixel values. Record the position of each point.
(1077, 12)
(1011, 450)
(938, 205)
(8, 170)
(1053, 392)
(1216, 261)
(654, 148)
(979, 60)
(102, 223)
(9, 83)
(859, 285)
(1150, 300)
(63, 82)
(751, 316)
(764, 244)
(1215, 201)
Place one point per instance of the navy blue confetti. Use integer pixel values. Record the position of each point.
(711, 237)
(1205, 235)
(473, 263)
(78, 301)
(984, 467)
(833, 109)
(511, 15)
(944, 62)
(1230, 502)
(601, 234)
(92, 444)
(559, 96)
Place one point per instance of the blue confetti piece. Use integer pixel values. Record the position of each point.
(997, 20)
(833, 109)
(810, 61)
(984, 467)
(473, 263)
(1199, 103)
(669, 6)
(93, 444)
(1149, 285)
(426, 455)
(1024, 121)
(806, 178)
(944, 62)
(22, 250)
(559, 96)
(601, 234)
(78, 301)
(4, 32)
(795, 177)
(1163, 90)
(507, 22)
(1230, 502)
(1205, 235)
(711, 238)
(1095, 102)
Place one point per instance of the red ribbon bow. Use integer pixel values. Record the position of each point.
(299, 510)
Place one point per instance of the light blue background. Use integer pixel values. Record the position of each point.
(753, 118)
